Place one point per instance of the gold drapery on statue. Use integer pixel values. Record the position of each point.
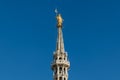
(59, 20)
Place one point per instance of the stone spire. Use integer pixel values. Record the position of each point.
(60, 42)
(60, 63)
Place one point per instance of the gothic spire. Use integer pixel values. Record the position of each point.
(60, 64)
(60, 42)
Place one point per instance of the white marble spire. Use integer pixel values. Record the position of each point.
(60, 42)
(60, 64)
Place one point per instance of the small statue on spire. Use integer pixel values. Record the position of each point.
(59, 19)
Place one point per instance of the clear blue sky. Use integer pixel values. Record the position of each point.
(28, 38)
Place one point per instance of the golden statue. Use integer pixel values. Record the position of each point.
(59, 20)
